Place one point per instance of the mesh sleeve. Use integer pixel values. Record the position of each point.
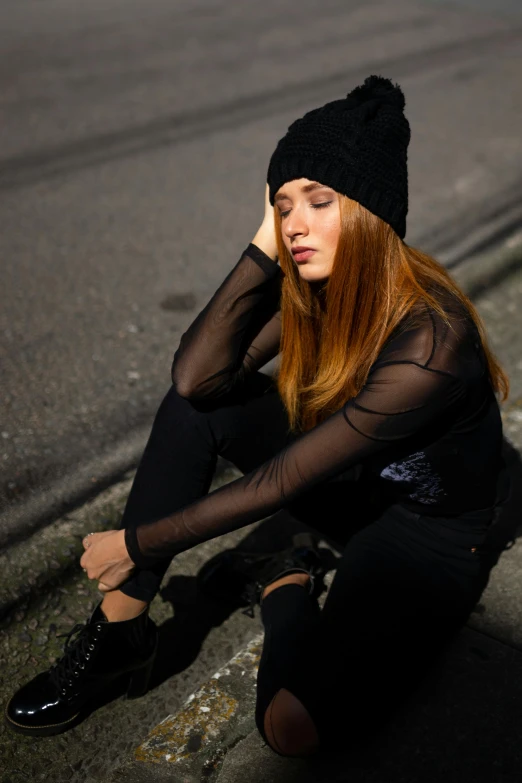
(238, 331)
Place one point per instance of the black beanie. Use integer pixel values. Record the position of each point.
(357, 146)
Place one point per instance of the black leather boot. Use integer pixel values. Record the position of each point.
(239, 577)
(58, 699)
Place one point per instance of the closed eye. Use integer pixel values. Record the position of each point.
(321, 205)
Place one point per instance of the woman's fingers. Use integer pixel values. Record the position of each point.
(94, 538)
(269, 210)
(83, 561)
(87, 541)
(106, 559)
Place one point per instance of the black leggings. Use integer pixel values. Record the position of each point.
(403, 586)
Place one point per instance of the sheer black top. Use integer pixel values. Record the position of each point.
(426, 425)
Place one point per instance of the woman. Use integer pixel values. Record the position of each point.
(382, 428)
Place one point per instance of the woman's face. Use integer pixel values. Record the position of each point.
(310, 218)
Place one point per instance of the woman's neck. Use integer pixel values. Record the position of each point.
(319, 292)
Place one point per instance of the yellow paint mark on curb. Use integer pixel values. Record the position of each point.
(201, 718)
(181, 735)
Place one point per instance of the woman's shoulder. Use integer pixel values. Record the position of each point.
(455, 315)
(433, 340)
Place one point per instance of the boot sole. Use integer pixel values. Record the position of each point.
(59, 728)
(134, 691)
(44, 731)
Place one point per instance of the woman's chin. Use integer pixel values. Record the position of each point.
(312, 275)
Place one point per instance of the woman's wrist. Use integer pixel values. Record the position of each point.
(265, 241)
(124, 548)
(132, 547)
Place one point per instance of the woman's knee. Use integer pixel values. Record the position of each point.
(175, 412)
(175, 407)
(246, 427)
(287, 726)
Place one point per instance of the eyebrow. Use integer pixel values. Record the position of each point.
(304, 189)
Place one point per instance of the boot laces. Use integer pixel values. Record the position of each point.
(77, 652)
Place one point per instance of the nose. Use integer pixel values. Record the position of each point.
(295, 224)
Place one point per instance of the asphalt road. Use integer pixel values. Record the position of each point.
(134, 142)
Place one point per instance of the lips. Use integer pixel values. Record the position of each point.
(302, 253)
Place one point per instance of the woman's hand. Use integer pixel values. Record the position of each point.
(265, 238)
(269, 209)
(106, 559)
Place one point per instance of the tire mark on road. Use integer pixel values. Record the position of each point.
(28, 169)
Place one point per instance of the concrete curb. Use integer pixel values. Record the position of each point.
(190, 746)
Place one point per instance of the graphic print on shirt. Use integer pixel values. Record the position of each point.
(416, 470)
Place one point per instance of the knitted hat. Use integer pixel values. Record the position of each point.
(357, 146)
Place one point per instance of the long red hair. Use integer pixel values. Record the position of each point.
(332, 333)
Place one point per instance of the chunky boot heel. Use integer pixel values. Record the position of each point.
(101, 652)
(139, 679)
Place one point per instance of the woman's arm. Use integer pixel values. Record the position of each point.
(400, 399)
(239, 330)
